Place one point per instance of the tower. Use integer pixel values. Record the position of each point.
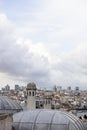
(31, 92)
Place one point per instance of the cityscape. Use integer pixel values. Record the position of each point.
(43, 65)
(59, 98)
(31, 98)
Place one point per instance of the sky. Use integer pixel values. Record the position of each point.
(43, 41)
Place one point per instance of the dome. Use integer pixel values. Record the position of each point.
(31, 86)
(8, 105)
(46, 120)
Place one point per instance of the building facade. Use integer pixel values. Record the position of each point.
(6, 121)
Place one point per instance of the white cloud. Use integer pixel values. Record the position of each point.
(48, 45)
(20, 58)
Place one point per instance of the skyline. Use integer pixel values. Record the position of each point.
(54, 88)
(43, 41)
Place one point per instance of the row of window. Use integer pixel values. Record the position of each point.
(44, 102)
(30, 93)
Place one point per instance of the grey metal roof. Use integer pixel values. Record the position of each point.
(46, 120)
(8, 105)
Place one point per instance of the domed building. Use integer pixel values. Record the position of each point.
(43, 119)
(9, 106)
(31, 86)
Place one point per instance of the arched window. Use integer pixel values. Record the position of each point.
(29, 93)
(32, 93)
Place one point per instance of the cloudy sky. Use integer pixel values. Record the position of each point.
(43, 41)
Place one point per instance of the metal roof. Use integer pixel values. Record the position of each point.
(8, 105)
(46, 120)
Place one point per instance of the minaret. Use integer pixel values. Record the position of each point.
(31, 93)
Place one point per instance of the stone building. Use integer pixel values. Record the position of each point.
(6, 121)
(34, 101)
(31, 93)
(7, 108)
(41, 119)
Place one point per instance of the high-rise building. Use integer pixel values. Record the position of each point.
(7, 88)
(76, 88)
(69, 89)
(59, 88)
(17, 87)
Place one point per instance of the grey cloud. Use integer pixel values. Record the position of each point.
(16, 60)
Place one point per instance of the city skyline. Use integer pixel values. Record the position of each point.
(43, 42)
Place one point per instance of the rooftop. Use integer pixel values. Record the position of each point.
(46, 119)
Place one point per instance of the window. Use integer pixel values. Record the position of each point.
(29, 93)
(33, 93)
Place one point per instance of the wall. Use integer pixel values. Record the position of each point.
(5, 122)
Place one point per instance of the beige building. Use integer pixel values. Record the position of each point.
(34, 101)
(47, 102)
(6, 121)
(31, 93)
